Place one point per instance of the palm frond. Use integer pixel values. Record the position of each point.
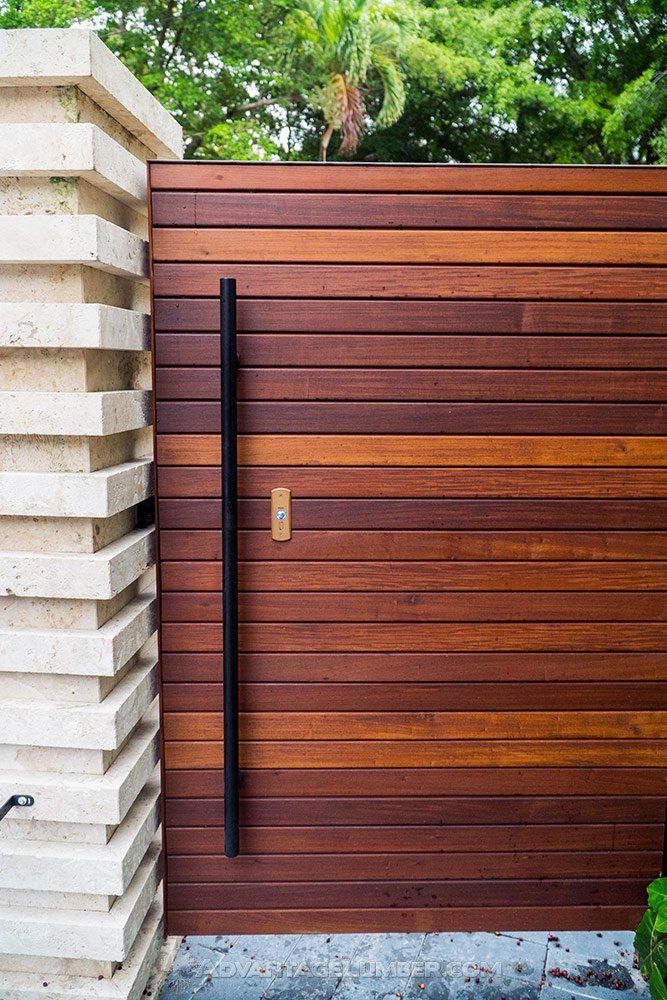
(354, 120)
(393, 101)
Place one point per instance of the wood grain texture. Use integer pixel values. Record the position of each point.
(466, 515)
(201, 208)
(371, 316)
(543, 546)
(302, 350)
(361, 783)
(416, 281)
(485, 839)
(416, 450)
(418, 576)
(206, 482)
(340, 606)
(453, 678)
(420, 894)
(376, 867)
(421, 753)
(420, 668)
(295, 637)
(261, 417)
(400, 178)
(432, 811)
(409, 726)
(409, 695)
(418, 919)
(418, 384)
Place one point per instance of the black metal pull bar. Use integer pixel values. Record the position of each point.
(230, 558)
(16, 800)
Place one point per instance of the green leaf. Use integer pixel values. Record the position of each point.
(643, 940)
(657, 893)
(656, 985)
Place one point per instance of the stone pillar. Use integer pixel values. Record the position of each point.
(80, 894)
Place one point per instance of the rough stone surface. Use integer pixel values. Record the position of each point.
(73, 150)
(77, 58)
(504, 966)
(79, 869)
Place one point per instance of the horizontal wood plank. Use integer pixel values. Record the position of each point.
(306, 840)
(416, 281)
(257, 482)
(372, 316)
(339, 606)
(252, 895)
(420, 576)
(273, 418)
(375, 867)
(419, 697)
(418, 384)
(289, 810)
(359, 783)
(418, 919)
(279, 210)
(408, 450)
(404, 177)
(526, 352)
(408, 726)
(414, 753)
(419, 545)
(421, 667)
(424, 637)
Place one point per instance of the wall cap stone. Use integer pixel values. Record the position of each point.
(91, 652)
(80, 150)
(96, 576)
(127, 983)
(59, 57)
(98, 494)
(103, 936)
(103, 869)
(73, 325)
(103, 726)
(89, 798)
(72, 239)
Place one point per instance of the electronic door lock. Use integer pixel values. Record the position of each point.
(281, 515)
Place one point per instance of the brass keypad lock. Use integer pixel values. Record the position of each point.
(281, 515)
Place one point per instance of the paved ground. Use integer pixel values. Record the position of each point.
(510, 966)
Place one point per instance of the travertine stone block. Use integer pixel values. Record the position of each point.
(45, 369)
(48, 453)
(63, 239)
(97, 800)
(99, 494)
(55, 687)
(127, 983)
(78, 58)
(105, 870)
(104, 726)
(73, 150)
(89, 652)
(65, 413)
(98, 576)
(84, 934)
(78, 870)
(74, 325)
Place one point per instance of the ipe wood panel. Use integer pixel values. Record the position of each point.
(453, 676)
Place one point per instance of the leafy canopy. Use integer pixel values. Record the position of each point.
(420, 80)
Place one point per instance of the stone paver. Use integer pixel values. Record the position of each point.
(512, 965)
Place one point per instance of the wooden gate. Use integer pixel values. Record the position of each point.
(451, 697)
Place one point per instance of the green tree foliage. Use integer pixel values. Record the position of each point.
(346, 43)
(579, 81)
(651, 940)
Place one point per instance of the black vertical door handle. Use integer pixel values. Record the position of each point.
(230, 558)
